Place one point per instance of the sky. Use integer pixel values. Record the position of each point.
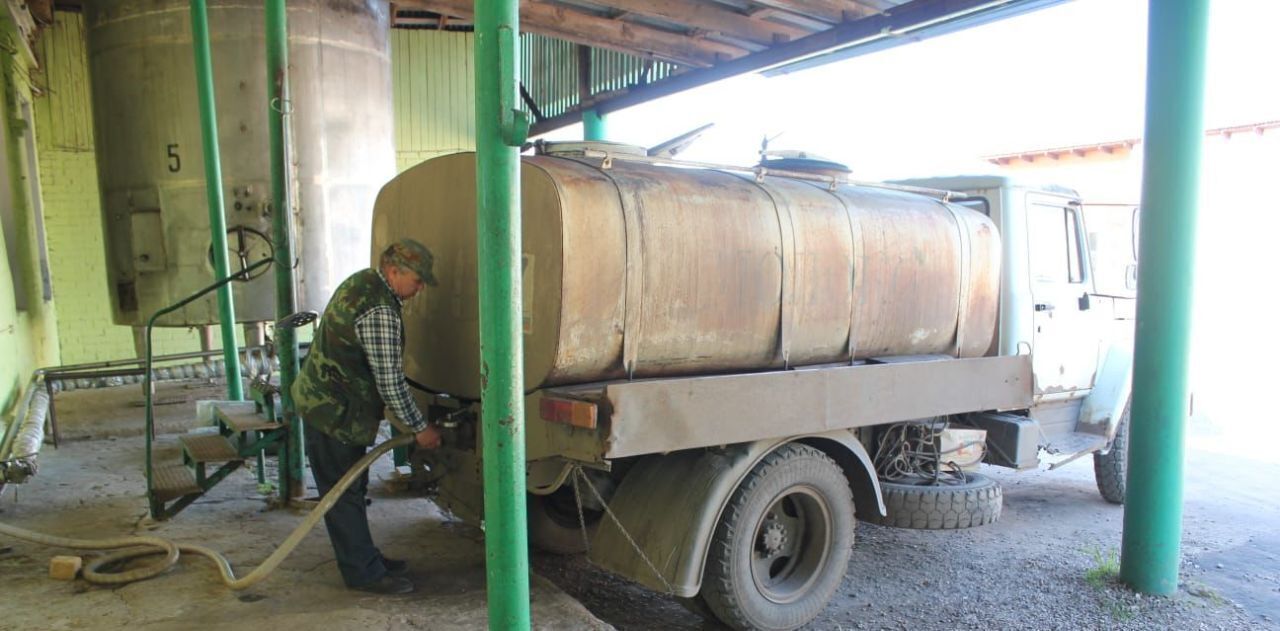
(1070, 74)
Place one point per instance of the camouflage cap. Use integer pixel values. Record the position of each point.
(412, 255)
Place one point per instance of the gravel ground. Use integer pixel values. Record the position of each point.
(1027, 571)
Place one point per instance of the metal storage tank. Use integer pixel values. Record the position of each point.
(150, 159)
(642, 270)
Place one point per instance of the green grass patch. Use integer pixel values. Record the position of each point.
(1105, 569)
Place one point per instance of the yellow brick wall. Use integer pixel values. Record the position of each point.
(73, 217)
(433, 92)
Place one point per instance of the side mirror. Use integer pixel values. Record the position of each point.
(1133, 234)
(1131, 276)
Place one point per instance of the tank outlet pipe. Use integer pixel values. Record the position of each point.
(213, 184)
(95, 573)
(1152, 538)
(500, 130)
(278, 110)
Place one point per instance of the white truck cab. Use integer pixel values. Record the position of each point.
(1076, 325)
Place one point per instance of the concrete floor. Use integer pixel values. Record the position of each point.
(95, 488)
(1025, 572)
(1028, 570)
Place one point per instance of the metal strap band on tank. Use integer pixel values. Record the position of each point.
(855, 277)
(632, 293)
(966, 246)
(787, 236)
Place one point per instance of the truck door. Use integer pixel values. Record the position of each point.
(1065, 342)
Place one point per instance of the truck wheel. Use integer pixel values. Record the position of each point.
(1110, 468)
(940, 506)
(553, 522)
(782, 545)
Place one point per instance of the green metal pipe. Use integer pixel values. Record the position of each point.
(594, 125)
(1166, 259)
(278, 105)
(213, 182)
(500, 128)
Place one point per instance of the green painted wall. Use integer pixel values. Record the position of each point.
(433, 89)
(28, 337)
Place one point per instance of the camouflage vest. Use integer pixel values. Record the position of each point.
(335, 391)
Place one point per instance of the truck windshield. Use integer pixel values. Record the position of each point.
(1112, 248)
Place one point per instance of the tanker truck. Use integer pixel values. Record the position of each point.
(725, 367)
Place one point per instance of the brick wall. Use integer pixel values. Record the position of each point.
(73, 216)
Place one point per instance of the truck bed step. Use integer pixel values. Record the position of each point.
(173, 481)
(209, 448)
(1074, 443)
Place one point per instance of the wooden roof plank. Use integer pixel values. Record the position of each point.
(564, 23)
(829, 11)
(710, 17)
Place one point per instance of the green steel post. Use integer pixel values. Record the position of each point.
(278, 105)
(213, 182)
(1170, 186)
(594, 125)
(500, 128)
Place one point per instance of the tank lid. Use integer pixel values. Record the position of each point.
(803, 162)
(580, 147)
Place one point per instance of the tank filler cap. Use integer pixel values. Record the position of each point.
(802, 162)
(580, 147)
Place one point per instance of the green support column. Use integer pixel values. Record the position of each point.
(1170, 188)
(282, 234)
(500, 129)
(594, 126)
(213, 182)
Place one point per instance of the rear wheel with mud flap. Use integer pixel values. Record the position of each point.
(782, 545)
(974, 500)
(1110, 468)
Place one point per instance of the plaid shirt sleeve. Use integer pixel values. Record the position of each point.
(379, 332)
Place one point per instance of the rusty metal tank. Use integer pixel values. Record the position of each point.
(150, 162)
(642, 270)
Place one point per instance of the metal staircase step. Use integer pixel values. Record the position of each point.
(209, 448)
(238, 421)
(173, 481)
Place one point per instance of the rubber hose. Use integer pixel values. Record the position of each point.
(152, 546)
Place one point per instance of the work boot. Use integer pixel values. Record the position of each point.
(387, 585)
(395, 567)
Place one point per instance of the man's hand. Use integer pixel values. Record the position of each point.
(428, 438)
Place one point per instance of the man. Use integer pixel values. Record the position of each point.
(353, 370)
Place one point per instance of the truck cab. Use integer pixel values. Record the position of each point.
(1076, 324)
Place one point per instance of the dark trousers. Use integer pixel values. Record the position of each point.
(347, 522)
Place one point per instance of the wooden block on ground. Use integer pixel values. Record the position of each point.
(65, 568)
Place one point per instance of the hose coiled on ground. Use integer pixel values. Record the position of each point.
(94, 572)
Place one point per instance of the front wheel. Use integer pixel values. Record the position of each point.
(782, 545)
(1110, 468)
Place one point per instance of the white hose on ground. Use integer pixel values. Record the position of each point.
(150, 546)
